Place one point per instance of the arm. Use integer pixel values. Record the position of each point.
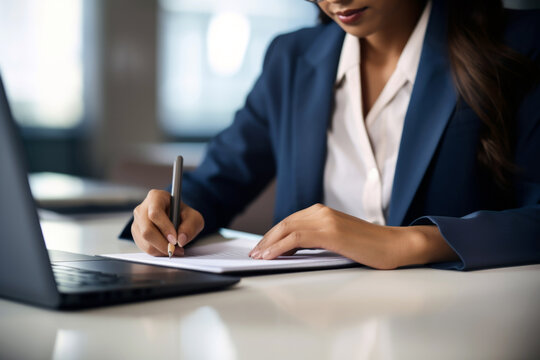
(491, 238)
(478, 240)
(380, 247)
(483, 239)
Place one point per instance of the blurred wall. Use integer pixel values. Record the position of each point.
(128, 47)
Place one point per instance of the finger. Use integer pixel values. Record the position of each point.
(284, 227)
(295, 240)
(192, 224)
(158, 216)
(159, 197)
(158, 204)
(143, 245)
(149, 235)
(178, 251)
(290, 252)
(276, 233)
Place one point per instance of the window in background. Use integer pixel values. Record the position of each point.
(41, 61)
(210, 53)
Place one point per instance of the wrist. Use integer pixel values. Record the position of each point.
(412, 246)
(425, 244)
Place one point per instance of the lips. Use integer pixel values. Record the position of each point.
(350, 16)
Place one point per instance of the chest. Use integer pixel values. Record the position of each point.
(373, 78)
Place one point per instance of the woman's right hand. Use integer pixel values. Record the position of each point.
(152, 229)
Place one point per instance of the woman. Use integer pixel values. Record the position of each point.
(400, 133)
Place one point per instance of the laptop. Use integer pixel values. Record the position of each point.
(60, 280)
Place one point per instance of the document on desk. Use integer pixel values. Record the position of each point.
(231, 256)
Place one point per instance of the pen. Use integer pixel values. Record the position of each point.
(176, 197)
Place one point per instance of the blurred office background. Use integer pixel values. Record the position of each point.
(114, 89)
(89, 80)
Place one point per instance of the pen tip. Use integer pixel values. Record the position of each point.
(170, 254)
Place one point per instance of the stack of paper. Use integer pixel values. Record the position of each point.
(231, 256)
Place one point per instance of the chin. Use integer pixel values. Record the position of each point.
(358, 31)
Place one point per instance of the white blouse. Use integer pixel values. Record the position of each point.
(362, 152)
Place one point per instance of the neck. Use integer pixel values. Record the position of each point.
(386, 45)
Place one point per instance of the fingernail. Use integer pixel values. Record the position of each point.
(171, 239)
(254, 254)
(266, 254)
(182, 239)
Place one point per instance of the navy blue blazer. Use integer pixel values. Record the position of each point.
(281, 133)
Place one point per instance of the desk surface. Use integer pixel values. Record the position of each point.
(336, 314)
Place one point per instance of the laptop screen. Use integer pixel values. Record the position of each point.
(25, 271)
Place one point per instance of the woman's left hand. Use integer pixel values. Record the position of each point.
(381, 247)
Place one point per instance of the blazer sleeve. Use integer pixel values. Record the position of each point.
(509, 237)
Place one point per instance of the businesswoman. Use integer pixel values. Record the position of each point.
(400, 132)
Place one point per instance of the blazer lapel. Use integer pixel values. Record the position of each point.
(432, 102)
(312, 101)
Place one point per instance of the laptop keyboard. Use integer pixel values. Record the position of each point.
(73, 277)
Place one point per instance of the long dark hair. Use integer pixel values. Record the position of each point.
(489, 76)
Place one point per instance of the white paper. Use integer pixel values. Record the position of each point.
(232, 256)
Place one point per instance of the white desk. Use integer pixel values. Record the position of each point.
(338, 314)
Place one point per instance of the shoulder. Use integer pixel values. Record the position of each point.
(523, 31)
(301, 40)
(293, 45)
